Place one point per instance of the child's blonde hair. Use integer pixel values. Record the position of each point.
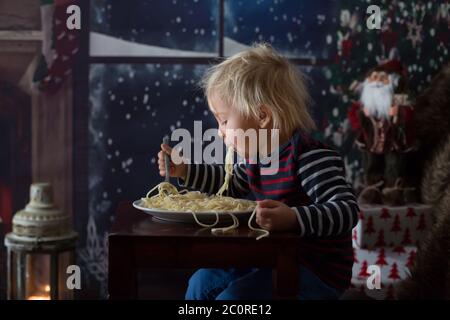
(260, 76)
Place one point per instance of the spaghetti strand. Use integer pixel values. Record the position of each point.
(194, 202)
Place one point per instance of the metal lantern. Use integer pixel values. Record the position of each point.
(40, 248)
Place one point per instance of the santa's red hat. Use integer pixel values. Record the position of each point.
(396, 68)
(391, 66)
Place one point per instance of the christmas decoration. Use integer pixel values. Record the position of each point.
(59, 46)
(385, 214)
(394, 272)
(396, 226)
(381, 260)
(378, 230)
(406, 237)
(394, 267)
(399, 249)
(410, 213)
(369, 226)
(383, 120)
(363, 272)
(428, 25)
(414, 33)
(422, 54)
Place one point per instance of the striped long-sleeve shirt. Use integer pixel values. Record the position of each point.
(311, 180)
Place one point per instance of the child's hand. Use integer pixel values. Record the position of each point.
(393, 111)
(176, 170)
(275, 216)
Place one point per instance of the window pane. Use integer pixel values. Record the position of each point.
(132, 107)
(296, 28)
(154, 28)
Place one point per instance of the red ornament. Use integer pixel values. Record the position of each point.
(389, 39)
(385, 214)
(406, 237)
(399, 249)
(396, 225)
(347, 45)
(381, 260)
(355, 235)
(363, 272)
(66, 46)
(369, 226)
(353, 117)
(410, 213)
(394, 272)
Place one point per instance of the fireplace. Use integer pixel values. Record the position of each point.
(15, 151)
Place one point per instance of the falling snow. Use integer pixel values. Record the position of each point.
(150, 38)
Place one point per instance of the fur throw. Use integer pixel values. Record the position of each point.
(432, 110)
(430, 276)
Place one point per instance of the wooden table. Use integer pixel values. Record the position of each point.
(139, 241)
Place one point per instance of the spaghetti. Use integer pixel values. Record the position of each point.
(169, 198)
(228, 171)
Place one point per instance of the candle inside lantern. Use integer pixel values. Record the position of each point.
(39, 297)
(45, 295)
(36, 261)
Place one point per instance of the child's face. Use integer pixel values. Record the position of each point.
(229, 119)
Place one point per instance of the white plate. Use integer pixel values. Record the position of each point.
(186, 217)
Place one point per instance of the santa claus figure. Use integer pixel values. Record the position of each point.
(383, 120)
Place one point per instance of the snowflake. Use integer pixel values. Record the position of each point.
(414, 33)
(94, 255)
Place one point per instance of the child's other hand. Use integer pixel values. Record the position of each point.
(176, 170)
(275, 216)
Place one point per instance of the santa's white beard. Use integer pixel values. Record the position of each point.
(377, 98)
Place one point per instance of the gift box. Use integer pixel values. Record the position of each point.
(391, 227)
(394, 265)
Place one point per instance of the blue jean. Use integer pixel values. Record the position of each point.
(251, 284)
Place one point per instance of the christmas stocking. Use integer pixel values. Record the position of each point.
(59, 46)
